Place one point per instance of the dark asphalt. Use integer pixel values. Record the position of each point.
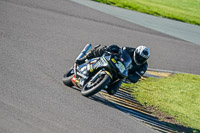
(39, 41)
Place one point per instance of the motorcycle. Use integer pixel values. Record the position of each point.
(98, 73)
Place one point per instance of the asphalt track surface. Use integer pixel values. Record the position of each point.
(39, 41)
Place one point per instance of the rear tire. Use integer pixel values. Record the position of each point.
(92, 88)
(67, 79)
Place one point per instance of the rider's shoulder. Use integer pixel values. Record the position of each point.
(144, 66)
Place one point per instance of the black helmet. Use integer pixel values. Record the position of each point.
(141, 54)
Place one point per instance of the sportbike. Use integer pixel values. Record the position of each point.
(98, 73)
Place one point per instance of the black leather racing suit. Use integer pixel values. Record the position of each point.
(135, 71)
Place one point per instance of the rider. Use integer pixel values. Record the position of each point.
(139, 62)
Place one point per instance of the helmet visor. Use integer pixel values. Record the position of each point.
(139, 59)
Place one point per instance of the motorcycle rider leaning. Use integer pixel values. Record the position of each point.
(139, 65)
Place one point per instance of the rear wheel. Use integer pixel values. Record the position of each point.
(94, 86)
(67, 79)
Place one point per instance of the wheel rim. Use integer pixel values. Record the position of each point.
(92, 84)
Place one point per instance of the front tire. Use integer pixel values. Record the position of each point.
(67, 79)
(92, 88)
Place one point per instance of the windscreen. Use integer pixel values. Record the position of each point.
(127, 59)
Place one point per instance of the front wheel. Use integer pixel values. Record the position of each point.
(94, 86)
(67, 79)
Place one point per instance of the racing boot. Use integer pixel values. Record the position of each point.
(113, 88)
(111, 91)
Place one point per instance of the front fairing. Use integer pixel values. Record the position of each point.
(93, 65)
(117, 65)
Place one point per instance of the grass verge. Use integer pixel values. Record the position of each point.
(183, 10)
(177, 96)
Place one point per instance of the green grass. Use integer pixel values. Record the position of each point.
(177, 95)
(183, 10)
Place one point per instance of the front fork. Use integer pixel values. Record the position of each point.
(97, 75)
